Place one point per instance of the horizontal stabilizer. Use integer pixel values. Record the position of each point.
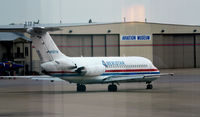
(25, 29)
(22, 30)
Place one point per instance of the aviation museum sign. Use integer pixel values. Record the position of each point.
(135, 37)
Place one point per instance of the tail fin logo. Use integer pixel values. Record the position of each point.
(52, 52)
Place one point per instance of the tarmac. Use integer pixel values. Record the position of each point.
(177, 96)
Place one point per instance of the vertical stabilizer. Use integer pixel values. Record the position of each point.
(44, 45)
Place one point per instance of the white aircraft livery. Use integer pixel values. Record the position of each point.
(91, 70)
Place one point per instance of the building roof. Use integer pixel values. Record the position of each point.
(9, 36)
(23, 27)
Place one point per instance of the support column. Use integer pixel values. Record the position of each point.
(31, 59)
(195, 54)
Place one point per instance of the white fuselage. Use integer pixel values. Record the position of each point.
(97, 68)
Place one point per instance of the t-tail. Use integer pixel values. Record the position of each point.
(48, 52)
(44, 44)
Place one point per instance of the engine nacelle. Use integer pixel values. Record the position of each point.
(49, 66)
(60, 64)
(65, 64)
(95, 70)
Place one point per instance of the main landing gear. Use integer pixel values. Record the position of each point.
(81, 88)
(112, 87)
(149, 85)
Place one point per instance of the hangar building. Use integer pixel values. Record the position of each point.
(167, 45)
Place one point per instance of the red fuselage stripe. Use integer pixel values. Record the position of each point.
(132, 70)
(123, 70)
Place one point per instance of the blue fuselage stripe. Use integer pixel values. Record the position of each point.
(113, 74)
(104, 74)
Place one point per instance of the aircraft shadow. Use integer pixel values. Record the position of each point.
(24, 114)
(87, 92)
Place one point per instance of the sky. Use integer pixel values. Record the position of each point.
(80, 11)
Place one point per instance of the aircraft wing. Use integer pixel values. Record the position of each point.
(155, 75)
(41, 77)
(121, 78)
(133, 77)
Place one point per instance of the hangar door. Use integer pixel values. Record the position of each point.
(88, 45)
(175, 51)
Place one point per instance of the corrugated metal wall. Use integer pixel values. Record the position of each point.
(176, 51)
(88, 45)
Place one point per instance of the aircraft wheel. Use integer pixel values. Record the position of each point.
(149, 86)
(112, 88)
(81, 88)
(52, 80)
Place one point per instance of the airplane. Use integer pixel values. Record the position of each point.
(8, 66)
(91, 70)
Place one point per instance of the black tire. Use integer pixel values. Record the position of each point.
(52, 80)
(112, 88)
(109, 87)
(149, 86)
(81, 88)
(78, 89)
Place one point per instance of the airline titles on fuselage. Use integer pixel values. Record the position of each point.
(121, 64)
